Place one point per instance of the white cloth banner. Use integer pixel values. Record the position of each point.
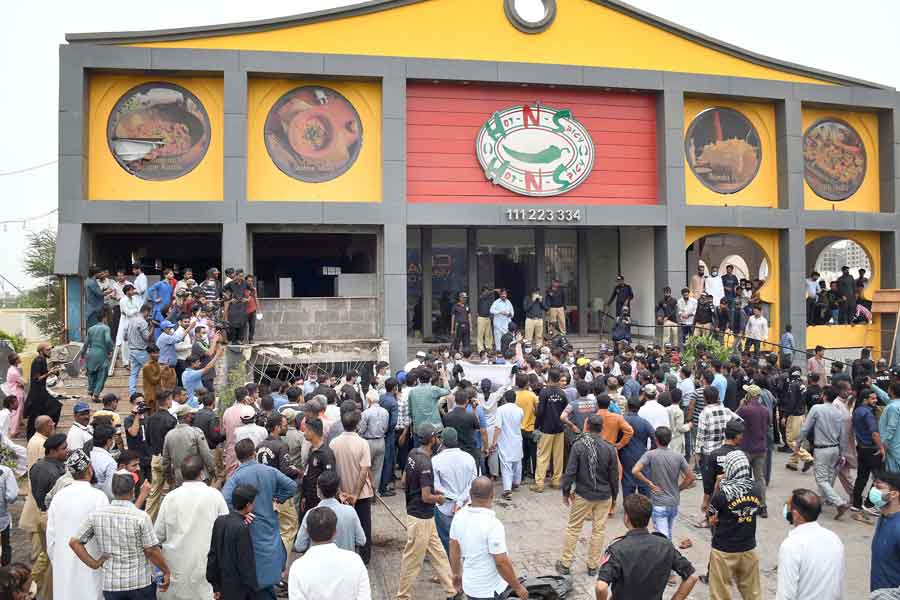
(498, 374)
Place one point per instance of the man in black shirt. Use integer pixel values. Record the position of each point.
(556, 306)
(793, 408)
(320, 459)
(552, 401)
(622, 294)
(813, 393)
(535, 310)
(43, 475)
(735, 504)
(157, 426)
(667, 316)
(883, 375)
(459, 323)
(136, 433)
(637, 565)
(863, 366)
(484, 339)
(465, 423)
(421, 532)
(589, 486)
(350, 389)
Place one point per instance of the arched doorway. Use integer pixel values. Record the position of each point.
(837, 295)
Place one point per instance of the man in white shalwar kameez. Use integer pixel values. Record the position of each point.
(714, 287)
(72, 579)
(508, 440)
(184, 527)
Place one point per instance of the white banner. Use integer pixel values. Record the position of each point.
(499, 374)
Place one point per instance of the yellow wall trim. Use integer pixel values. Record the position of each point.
(584, 33)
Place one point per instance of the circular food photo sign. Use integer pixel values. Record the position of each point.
(723, 150)
(313, 134)
(158, 131)
(834, 159)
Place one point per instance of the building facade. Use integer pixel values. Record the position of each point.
(394, 153)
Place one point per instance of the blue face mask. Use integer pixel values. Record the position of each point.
(876, 497)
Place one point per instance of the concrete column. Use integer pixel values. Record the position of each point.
(235, 246)
(472, 267)
(674, 258)
(792, 254)
(583, 295)
(540, 257)
(890, 279)
(789, 146)
(670, 148)
(235, 143)
(394, 298)
(425, 252)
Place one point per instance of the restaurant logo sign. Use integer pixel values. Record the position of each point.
(535, 150)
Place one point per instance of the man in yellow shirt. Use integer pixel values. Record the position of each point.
(527, 401)
(109, 413)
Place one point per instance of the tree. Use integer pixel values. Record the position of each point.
(39, 258)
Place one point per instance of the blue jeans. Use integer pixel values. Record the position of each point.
(390, 457)
(443, 522)
(137, 358)
(664, 519)
(146, 593)
(631, 484)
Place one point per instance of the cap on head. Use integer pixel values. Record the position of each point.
(167, 325)
(426, 432)
(650, 390)
(753, 391)
(186, 409)
(248, 414)
(420, 355)
(77, 461)
(81, 407)
(449, 437)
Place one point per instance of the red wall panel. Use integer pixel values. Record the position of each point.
(443, 119)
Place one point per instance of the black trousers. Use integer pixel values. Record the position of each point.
(251, 327)
(462, 337)
(6, 546)
(529, 454)
(363, 509)
(866, 463)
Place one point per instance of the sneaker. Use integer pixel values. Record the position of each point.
(791, 467)
(807, 466)
(561, 568)
(536, 488)
(854, 509)
(763, 513)
(506, 495)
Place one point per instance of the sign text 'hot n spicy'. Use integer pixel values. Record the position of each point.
(535, 150)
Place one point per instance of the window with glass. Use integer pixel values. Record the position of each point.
(561, 261)
(506, 259)
(449, 274)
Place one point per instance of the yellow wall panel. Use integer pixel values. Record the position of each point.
(107, 180)
(867, 197)
(361, 183)
(767, 240)
(851, 336)
(762, 191)
(584, 33)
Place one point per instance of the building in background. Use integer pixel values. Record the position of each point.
(369, 163)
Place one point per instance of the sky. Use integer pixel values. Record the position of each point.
(857, 39)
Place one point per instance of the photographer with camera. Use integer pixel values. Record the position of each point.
(535, 311)
(136, 433)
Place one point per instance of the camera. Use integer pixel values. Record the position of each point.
(140, 408)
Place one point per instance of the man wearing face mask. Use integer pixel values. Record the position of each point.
(811, 558)
(885, 495)
(714, 286)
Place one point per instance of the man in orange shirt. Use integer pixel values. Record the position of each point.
(613, 424)
(527, 401)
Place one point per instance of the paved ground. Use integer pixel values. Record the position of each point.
(535, 524)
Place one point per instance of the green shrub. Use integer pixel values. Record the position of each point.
(17, 341)
(715, 348)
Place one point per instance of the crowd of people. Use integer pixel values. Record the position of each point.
(838, 302)
(209, 493)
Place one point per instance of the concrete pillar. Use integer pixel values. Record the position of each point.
(890, 279)
(394, 298)
(540, 257)
(583, 291)
(792, 255)
(235, 246)
(425, 252)
(472, 267)
(673, 255)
